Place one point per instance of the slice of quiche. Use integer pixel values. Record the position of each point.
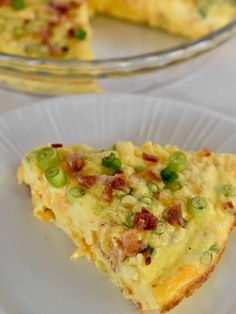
(155, 219)
(190, 18)
(45, 28)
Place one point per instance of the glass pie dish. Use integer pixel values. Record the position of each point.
(128, 58)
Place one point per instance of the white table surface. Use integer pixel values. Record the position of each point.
(214, 86)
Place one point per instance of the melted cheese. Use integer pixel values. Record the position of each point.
(188, 18)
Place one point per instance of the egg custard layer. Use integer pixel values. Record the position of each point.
(189, 18)
(155, 219)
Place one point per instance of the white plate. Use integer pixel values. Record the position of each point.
(36, 274)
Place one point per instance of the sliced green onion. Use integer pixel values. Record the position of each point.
(175, 186)
(198, 203)
(129, 221)
(112, 162)
(138, 169)
(146, 200)
(153, 187)
(47, 157)
(106, 161)
(226, 190)
(203, 12)
(168, 175)
(206, 258)
(18, 4)
(161, 228)
(116, 164)
(119, 194)
(80, 34)
(74, 193)
(150, 249)
(214, 248)
(55, 177)
(178, 161)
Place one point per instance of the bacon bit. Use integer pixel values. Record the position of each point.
(119, 182)
(174, 215)
(45, 35)
(65, 49)
(71, 32)
(27, 21)
(145, 220)
(57, 145)
(75, 4)
(157, 195)
(147, 257)
(119, 171)
(131, 244)
(54, 50)
(75, 161)
(86, 181)
(5, 2)
(148, 175)
(60, 8)
(107, 193)
(139, 308)
(118, 254)
(228, 205)
(54, 20)
(28, 188)
(205, 152)
(149, 157)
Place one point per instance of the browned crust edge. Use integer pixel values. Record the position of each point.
(196, 283)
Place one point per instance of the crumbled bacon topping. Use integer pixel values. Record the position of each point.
(118, 182)
(145, 220)
(54, 19)
(118, 254)
(5, 2)
(148, 175)
(71, 32)
(131, 244)
(107, 193)
(228, 205)
(57, 145)
(157, 195)
(174, 215)
(45, 35)
(60, 8)
(54, 50)
(147, 257)
(28, 188)
(86, 181)
(205, 152)
(149, 157)
(139, 308)
(75, 161)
